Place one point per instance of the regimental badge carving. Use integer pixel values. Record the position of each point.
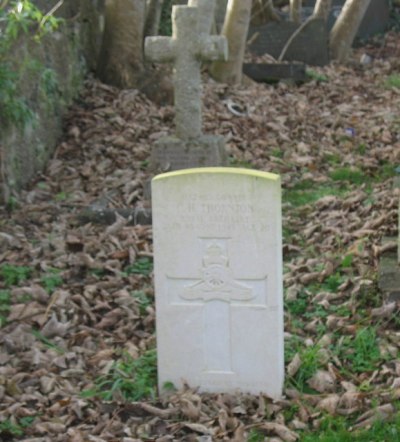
(217, 291)
(217, 281)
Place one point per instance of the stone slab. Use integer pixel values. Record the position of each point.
(310, 46)
(267, 73)
(389, 276)
(218, 280)
(172, 153)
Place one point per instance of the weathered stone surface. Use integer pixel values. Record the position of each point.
(187, 49)
(189, 46)
(172, 153)
(25, 151)
(205, 14)
(263, 72)
(389, 276)
(310, 46)
(218, 280)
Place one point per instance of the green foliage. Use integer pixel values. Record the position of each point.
(347, 261)
(47, 342)
(278, 153)
(362, 149)
(332, 282)
(61, 196)
(358, 176)
(255, 436)
(14, 275)
(360, 352)
(13, 108)
(233, 162)
(10, 429)
(49, 82)
(393, 81)
(144, 164)
(332, 159)
(5, 301)
(352, 175)
(307, 192)
(142, 299)
(387, 170)
(133, 379)
(142, 266)
(168, 386)
(20, 18)
(165, 22)
(310, 364)
(336, 429)
(298, 306)
(287, 233)
(98, 273)
(317, 76)
(51, 280)
(12, 202)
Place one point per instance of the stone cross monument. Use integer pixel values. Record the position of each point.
(188, 47)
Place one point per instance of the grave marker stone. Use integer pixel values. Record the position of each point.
(188, 47)
(268, 72)
(310, 46)
(389, 263)
(218, 280)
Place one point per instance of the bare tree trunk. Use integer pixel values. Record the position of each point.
(322, 8)
(235, 29)
(121, 60)
(295, 10)
(262, 12)
(153, 17)
(346, 27)
(121, 57)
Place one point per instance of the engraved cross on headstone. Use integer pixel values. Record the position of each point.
(187, 48)
(217, 291)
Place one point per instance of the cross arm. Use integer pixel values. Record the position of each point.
(213, 48)
(160, 49)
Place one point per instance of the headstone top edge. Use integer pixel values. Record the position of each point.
(218, 171)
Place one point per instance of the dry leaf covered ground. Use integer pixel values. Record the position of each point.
(77, 360)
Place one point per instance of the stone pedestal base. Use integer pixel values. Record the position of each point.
(171, 153)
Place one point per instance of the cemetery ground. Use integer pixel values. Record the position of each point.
(78, 361)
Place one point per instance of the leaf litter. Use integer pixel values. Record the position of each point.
(336, 145)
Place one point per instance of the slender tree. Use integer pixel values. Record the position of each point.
(262, 12)
(121, 60)
(295, 10)
(345, 28)
(153, 17)
(235, 29)
(322, 8)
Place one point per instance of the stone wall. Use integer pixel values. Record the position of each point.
(62, 59)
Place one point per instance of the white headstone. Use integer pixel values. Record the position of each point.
(218, 280)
